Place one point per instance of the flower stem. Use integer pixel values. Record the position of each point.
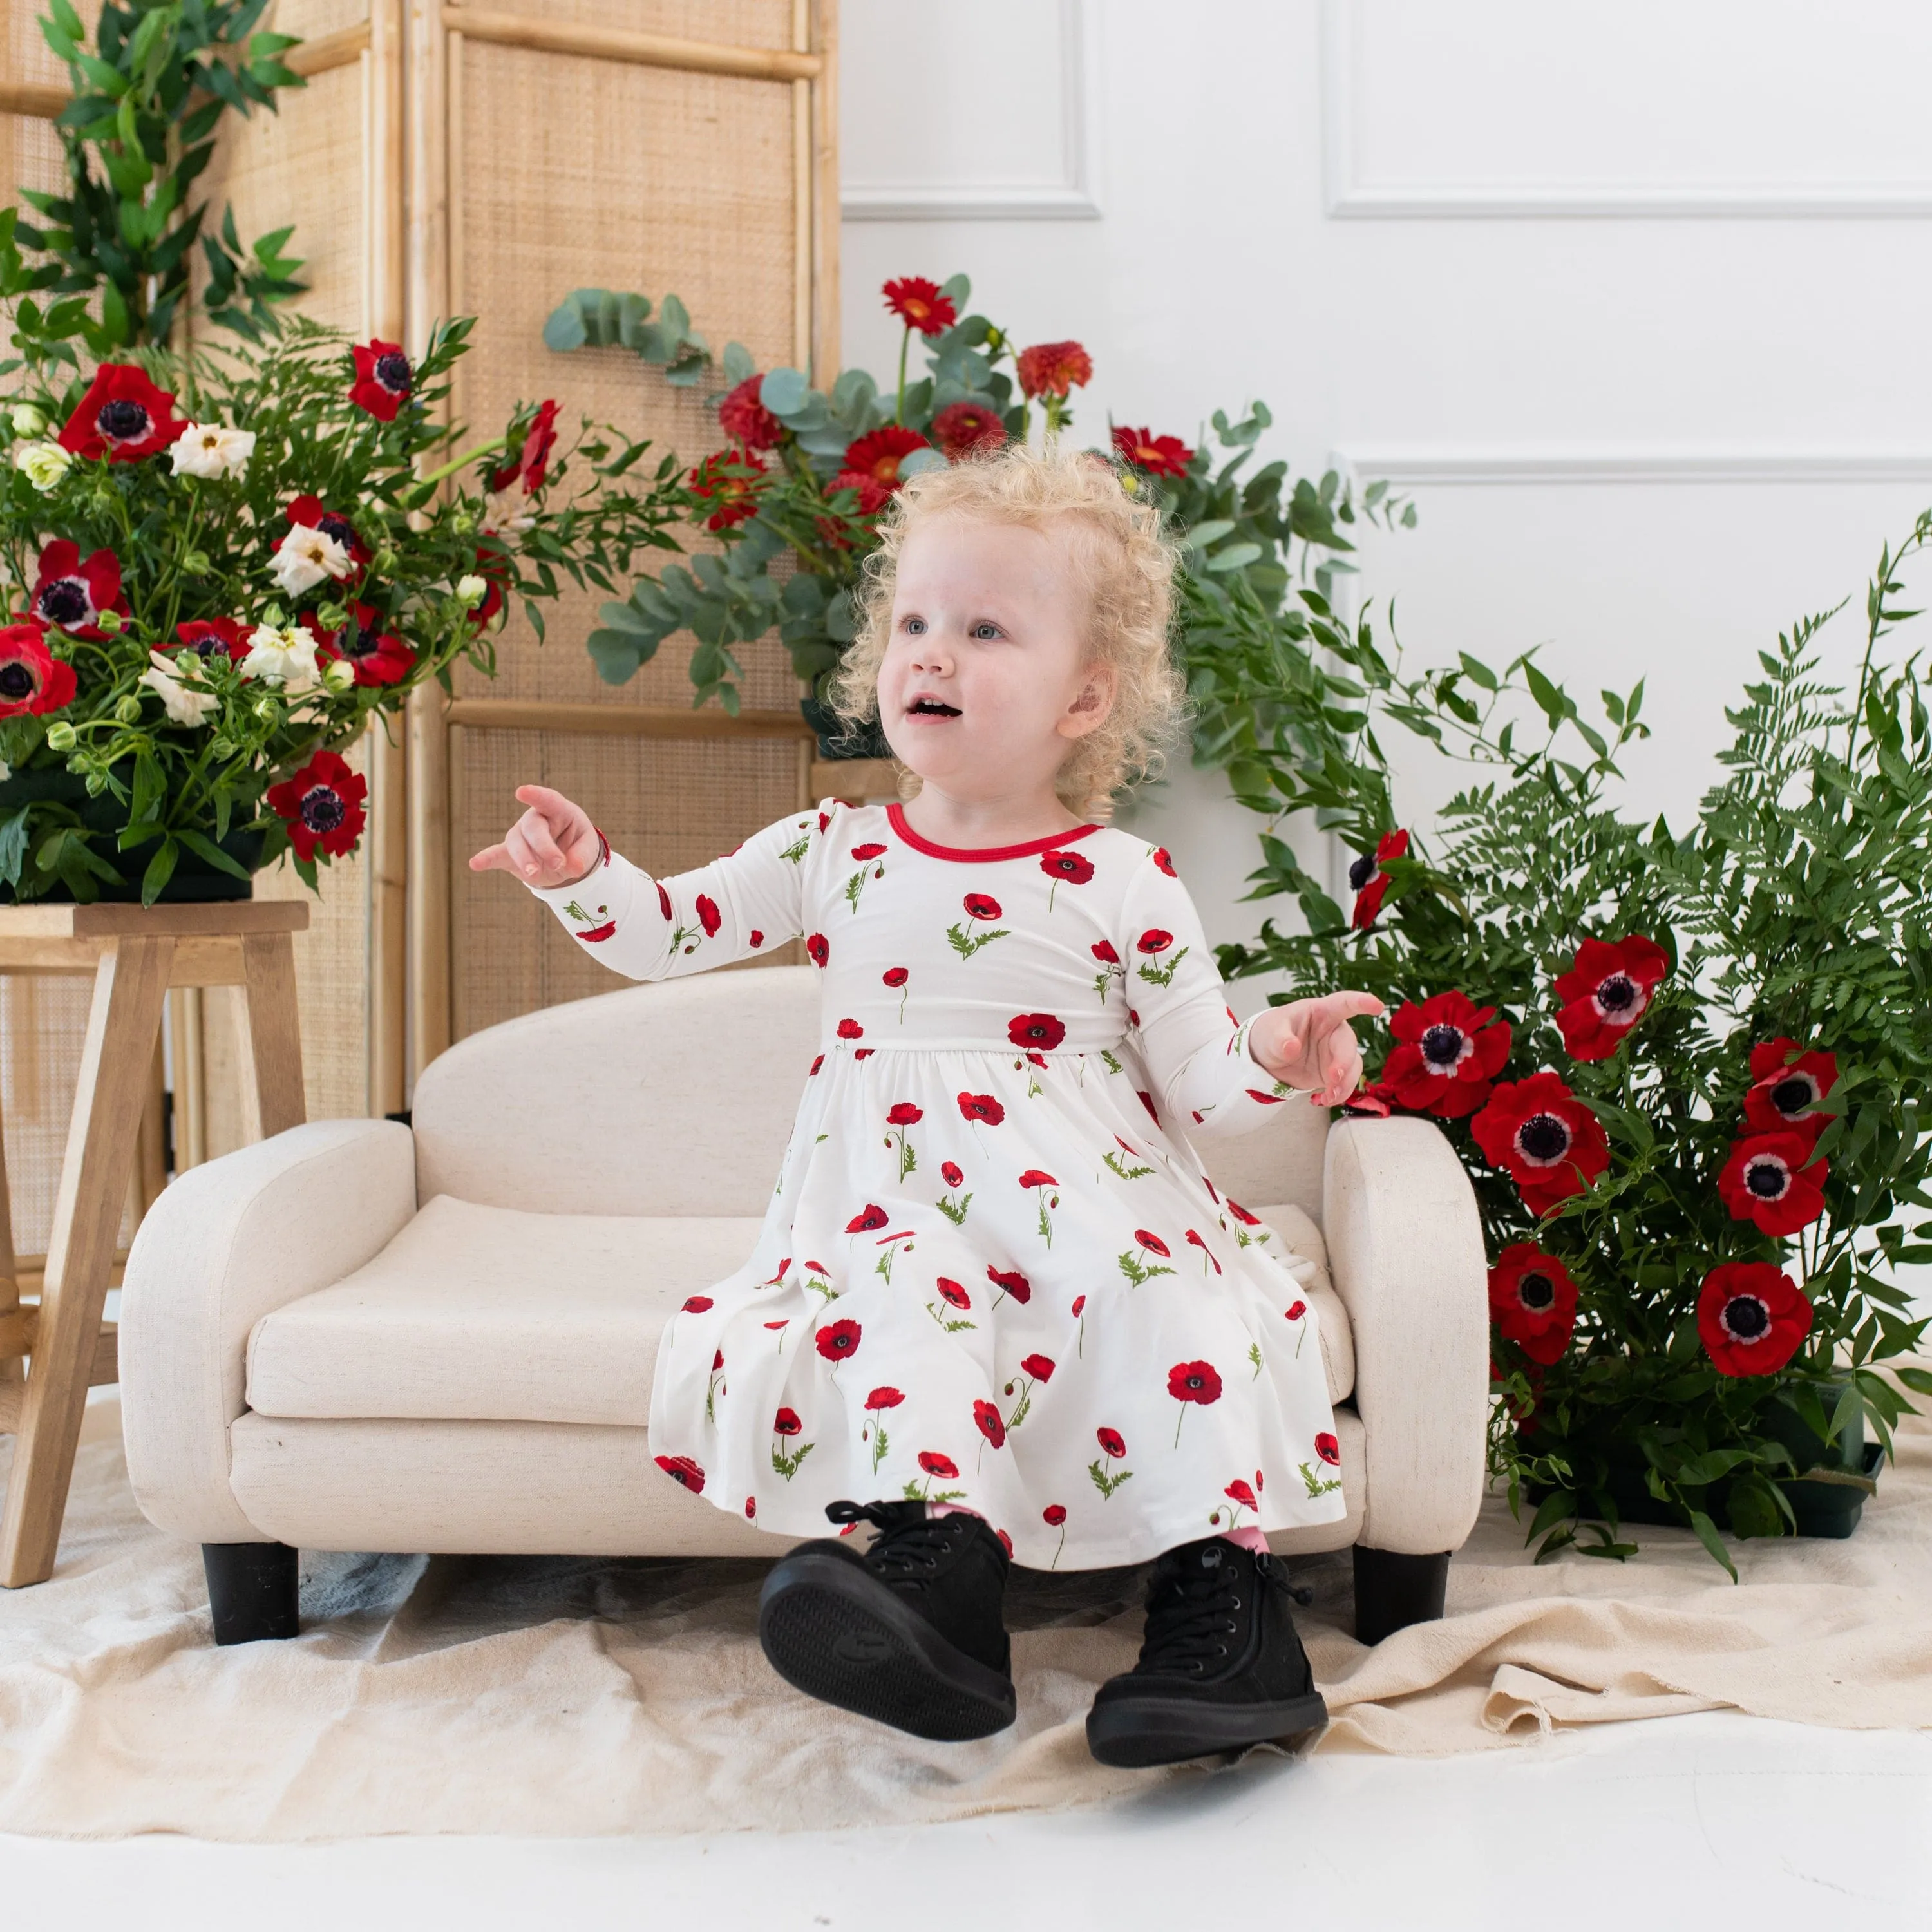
(905, 343)
(455, 463)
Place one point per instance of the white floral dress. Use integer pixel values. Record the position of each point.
(993, 1272)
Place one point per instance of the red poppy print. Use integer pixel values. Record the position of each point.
(708, 916)
(1548, 1140)
(1448, 1051)
(953, 1294)
(905, 1114)
(1147, 1101)
(817, 947)
(838, 1342)
(982, 1107)
(979, 906)
(1153, 1242)
(1194, 1241)
(1043, 1185)
(1154, 940)
(1065, 869)
(1010, 1281)
(1102, 950)
(1789, 1088)
(696, 1304)
(1240, 1492)
(1370, 882)
(1533, 1301)
(934, 1464)
(849, 1029)
(868, 1220)
(681, 1469)
(1751, 1318)
(786, 1422)
(1606, 992)
(894, 978)
(951, 1172)
(1040, 1031)
(1771, 1179)
(987, 1419)
(1329, 1450)
(1040, 1367)
(884, 1397)
(1193, 1382)
(1113, 1445)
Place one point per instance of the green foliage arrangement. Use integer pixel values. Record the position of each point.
(1689, 1069)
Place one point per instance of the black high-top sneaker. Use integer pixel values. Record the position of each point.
(1221, 1667)
(908, 1632)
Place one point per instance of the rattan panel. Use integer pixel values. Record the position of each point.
(669, 805)
(741, 23)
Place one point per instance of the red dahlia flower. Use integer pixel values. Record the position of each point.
(71, 594)
(377, 656)
(1772, 1180)
(1041, 1031)
(919, 304)
(1052, 368)
(31, 678)
(1448, 1052)
(873, 495)
(1157, 455)
(1370, 881)
(1533, 1301)
(1751, 1317)
(729, 480)
(963, 429)
(533, 459)
(1787, 1086)
(382, 378)
(211, 637)
(1606, 992)
(745, 420)
(322, 805)
(1546, 1138)
(122, 417)
(878, 455)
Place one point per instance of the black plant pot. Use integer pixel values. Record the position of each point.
(838, 739)
(193, 878)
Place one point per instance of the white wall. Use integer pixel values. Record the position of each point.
(1632, 299)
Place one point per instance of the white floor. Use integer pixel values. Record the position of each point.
(1707, 1823)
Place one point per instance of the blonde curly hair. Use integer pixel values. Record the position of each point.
(1128, 562)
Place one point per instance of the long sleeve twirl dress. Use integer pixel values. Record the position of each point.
(993, 1271)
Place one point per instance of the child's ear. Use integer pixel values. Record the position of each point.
(1090, 708)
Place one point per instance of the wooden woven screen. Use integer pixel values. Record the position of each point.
(609, 143)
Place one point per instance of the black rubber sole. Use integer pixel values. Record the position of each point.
(832, 1630)
(1133, 1732)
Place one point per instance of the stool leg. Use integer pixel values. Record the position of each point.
(251, 1591)
(1393, 1591)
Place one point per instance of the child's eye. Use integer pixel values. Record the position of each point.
(985, 632)
(913, 627)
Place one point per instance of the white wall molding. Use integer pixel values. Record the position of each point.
(1582, 464)
(1348, 197)
(1073, 197)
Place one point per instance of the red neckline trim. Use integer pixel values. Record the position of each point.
(984, 854)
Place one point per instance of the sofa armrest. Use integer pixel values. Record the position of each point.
(1405, 1254)
(225, 1244)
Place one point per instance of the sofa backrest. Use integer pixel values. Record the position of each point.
(677, 1098)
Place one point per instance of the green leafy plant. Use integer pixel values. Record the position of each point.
(1689, 1069)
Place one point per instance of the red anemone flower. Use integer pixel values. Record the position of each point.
(321, 806)
(1156, 455)
(1546, 1138)
(1771, 1179)
(743, 417)
(383, 378)
(1606, 992)
(838, 1341)
(1040, 1031)
(1052, 368)
(878, 454)
(919, 304)
(1787, 1086)
(122, 417)
(533, 460)
(311, 514)
(1370, 881)
(71, 594)
(378, 657)
(989, 1423)
(211, 637)
(1533, 1301)
(493, 567)
(963, 429)
(1447, 1051)
(1164, 859)
(982, 1107)
(729, 480)
(1010, 1281)
(31, 678)
(1751, 1317)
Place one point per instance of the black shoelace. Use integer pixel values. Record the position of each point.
(1190, 1618)
(908, 1547)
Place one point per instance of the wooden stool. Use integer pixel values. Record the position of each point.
(134, 957)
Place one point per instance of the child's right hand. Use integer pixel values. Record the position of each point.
(553, 844)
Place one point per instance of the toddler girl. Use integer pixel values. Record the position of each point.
(995, 1292)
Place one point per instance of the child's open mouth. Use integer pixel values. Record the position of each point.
(931, 707)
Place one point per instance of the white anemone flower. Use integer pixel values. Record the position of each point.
(44, 463)
(212, 450)
(472, 590)
(283, 656)
(183, 706)
(506, 514)
(307, 556)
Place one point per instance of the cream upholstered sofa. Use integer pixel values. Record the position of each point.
(362, 1336)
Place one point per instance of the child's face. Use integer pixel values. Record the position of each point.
(986, 681)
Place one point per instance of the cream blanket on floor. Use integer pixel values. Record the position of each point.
(561, 1697)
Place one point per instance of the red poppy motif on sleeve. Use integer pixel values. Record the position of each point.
(708, 916)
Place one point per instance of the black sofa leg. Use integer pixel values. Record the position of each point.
(251, 1590)
(1393, 1591)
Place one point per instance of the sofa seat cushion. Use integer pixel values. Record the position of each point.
(481, 1314)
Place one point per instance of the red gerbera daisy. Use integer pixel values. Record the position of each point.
(383, 378)
(122, 417)
(1447, 1051)
(743, 417)
(879, 452)
(31, 678)
(1157, 455)
(1772, 1180)
(1369, 880)
(1547, 1138)
(1533, 1301)
(1606, 992)
(1751, 1318)
(919, 304)
(1787, 1086)
(321, 806)
(1052, 368)
(963, 429)
(729, 480)
(71, 594)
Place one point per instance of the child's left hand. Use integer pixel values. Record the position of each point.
(1310, 1043)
